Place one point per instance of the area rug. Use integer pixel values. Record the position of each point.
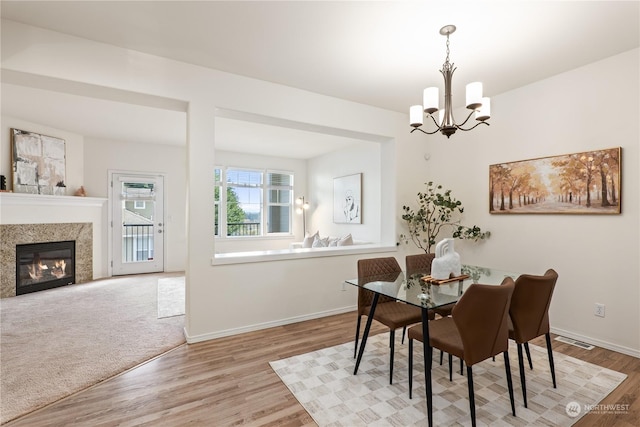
(60, 341)
(323, 382)
(170, 297)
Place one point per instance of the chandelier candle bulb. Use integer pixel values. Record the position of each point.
(474, 95)
(484, 113)
(430, 100)
(415, 115)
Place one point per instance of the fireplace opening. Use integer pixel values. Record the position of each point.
(41, 266)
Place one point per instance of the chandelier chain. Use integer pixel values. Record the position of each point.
(446, 64)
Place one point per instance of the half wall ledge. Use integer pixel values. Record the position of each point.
(292, 254)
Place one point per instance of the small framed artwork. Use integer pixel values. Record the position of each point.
(38, 163)
(578, 183)
(347, 199)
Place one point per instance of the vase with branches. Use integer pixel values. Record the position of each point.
(437, 210)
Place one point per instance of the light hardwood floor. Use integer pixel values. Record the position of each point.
(228, 382)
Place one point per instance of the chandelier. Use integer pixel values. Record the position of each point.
(446, 123)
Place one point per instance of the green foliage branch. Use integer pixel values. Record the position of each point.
(437, 209)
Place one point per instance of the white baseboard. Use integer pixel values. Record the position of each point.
(599, 343)
(235, 331)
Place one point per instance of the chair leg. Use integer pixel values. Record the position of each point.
(355, 350)
(410, 367)
(551, 365)
(526, 349)
(441, 357)
(450, 367)
(472, 400)
(507, 369)
(523, 380)
(404, 332)
(461, 367)
(392, 340)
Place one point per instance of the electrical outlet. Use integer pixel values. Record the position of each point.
(599, 310)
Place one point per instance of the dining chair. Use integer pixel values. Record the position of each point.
(388, 311)
(421, 264)
(529, 317)
(476, 330)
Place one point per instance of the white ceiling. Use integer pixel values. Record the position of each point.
(376, 53)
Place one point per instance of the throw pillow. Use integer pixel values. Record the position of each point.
(346, 240)
(308, 239)
(320, 243)
(333, 241)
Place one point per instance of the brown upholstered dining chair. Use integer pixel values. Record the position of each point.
(421, 263)
(388, 311)
(529, 317)
(476, 330)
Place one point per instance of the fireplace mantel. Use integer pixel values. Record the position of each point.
(43, 216)
(23, 199)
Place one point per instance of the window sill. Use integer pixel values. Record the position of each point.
(290, 254)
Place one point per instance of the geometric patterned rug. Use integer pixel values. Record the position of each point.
(323, 382)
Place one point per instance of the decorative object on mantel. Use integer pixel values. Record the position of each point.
(347, 199)
(579, 183)
(447, 263)
(436, 210)
(80, 192)
(38, 163)
(446, 123)
(303, 206)
(60, 189)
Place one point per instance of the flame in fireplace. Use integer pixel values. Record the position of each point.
(37, 269)
(59, 268)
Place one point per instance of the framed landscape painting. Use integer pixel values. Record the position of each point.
(38, 163)
(579, 183)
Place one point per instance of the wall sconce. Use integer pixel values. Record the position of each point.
(303, 205)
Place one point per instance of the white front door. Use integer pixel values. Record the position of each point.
(137, 202)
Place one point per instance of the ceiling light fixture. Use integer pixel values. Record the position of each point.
(446, 123)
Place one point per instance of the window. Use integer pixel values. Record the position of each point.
(252, 202)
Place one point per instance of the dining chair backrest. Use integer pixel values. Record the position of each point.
(481, 319)
(420, 263)
(530, 303)
(373, 269)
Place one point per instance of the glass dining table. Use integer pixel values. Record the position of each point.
(421, 290)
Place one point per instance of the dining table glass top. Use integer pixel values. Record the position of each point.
(417, 289)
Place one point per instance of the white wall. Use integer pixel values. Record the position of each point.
(597, 257)
(589, 108)
(361, 158)
(102, 156)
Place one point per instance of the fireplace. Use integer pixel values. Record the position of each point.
(41, 266)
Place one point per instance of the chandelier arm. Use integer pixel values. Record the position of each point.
(425, 132)
(466, 120)
(435, 122)
(475, 126)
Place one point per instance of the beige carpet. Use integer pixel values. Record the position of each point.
(323, 382)
(57, 342)
(171, 294)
